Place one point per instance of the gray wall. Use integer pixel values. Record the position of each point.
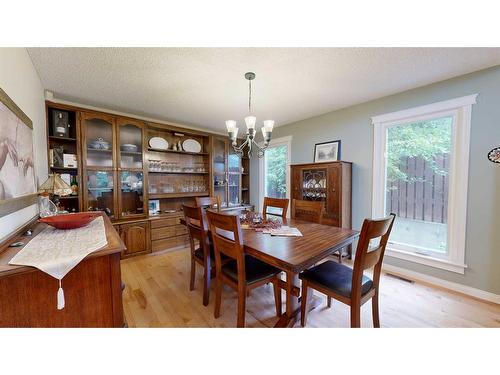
(352, 125)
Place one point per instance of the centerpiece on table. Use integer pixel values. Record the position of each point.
(253, 220)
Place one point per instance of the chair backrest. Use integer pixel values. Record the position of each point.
(197, 227)
(367, 257)
(212, 202)
(276, 203)
(308, 210)
(227, 239)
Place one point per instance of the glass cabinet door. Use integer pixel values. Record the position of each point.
(131, 193)
(130, 141)
(219, 170)
(100, 192)
(234, 179)
(99, 141)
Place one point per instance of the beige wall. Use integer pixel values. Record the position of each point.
(19, 79)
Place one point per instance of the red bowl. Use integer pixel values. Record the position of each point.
(70, 221)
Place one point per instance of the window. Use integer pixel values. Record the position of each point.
(274, 170)
(420, 173)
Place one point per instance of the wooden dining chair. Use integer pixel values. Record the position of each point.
(275, 203)
(308, 210)
(347, 285)
(212, 202)
(243, 272)
(198, 230)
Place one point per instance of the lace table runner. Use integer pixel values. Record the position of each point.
(56, 252)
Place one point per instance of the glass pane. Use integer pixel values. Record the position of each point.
(131, 193)
(234, 163)
(314, 184)
(220, 191)
(99, 143)
(234, 189)
(417, 170)
(130, 146)
(100, 191)
(219, 156)
(275, 171)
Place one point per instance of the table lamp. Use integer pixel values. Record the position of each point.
(55, 186)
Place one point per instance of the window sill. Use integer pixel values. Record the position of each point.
(426, 260)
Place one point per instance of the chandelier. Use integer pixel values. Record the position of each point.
(250, 121)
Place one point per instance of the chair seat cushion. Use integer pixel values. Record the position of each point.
(255, 270)
(198, 253)
(336, 277)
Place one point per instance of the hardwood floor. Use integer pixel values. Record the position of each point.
(157, 295)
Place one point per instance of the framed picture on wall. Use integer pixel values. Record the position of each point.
(18, 187)
(327, 151)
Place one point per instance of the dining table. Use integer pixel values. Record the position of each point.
(293, 255)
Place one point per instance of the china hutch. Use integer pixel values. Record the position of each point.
(141, 188)
(329, 183)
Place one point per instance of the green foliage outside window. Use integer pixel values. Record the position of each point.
(424, 140)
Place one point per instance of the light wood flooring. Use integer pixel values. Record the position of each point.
(157, 295)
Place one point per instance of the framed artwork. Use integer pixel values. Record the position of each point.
(17, 172)
(327, 151)
(154, 207)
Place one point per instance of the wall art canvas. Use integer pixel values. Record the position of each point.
(327, 151)
(17, 172)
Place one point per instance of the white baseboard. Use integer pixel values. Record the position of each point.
(464, 289)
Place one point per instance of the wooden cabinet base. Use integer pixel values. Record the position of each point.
(92, 292)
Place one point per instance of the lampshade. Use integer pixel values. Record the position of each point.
(230, 125)
(250, 121)
(269, 125)
(55, 185)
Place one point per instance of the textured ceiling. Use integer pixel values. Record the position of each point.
(205, 86)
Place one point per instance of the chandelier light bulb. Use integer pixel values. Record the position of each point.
(250, 121)
(268, 125)
(230, 125)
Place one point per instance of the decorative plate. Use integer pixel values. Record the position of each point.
(159, 143)
(191, 145)
(494, 155)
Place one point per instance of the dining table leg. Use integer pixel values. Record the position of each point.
(292, 312)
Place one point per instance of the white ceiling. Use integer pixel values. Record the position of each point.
(205, 86)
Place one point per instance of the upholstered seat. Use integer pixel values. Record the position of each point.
(198, 253)
(255, 270)
(336, 277)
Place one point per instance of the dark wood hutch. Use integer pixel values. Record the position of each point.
(119, 172)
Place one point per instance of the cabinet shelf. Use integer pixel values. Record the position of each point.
(177, 152)
(178, 195)
(64, 168)
(159, 172)
(64, 139)
(69, 197)
(100, 150)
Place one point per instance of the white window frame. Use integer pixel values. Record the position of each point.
(460, 109)
(286, 141)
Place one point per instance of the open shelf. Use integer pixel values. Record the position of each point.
(178, 195)
(177, 152)
(64, 168)
(65, 139)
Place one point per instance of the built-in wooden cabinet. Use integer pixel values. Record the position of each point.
(329, 183)
(120, 173)
(136, 237)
